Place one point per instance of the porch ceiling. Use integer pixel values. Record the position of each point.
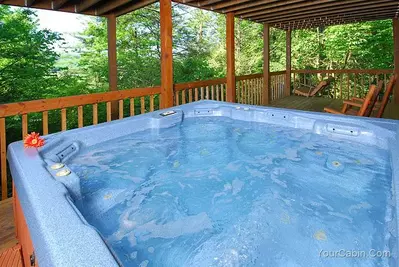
(298, 14)
(283, 14)
(87, 7)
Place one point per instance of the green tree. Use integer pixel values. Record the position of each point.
(27, 56)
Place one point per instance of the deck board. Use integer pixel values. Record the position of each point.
(11, 257)
(317, 104)
(7, 230)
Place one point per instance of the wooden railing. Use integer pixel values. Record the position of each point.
(249, 89)
(346, 84)
(193, 91)
(277, 85)
(59, 114)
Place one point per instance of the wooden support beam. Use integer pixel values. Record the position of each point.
(111, 5)
(396, 56)
(230, 49)
(134, 6)
(287, 90)
(29, 3)
(166, 54)
(57, 4)
(112, 61)
(84, 5)
(266, 64)
(225, 4)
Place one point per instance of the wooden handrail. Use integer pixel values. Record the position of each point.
(196, 84)
(12, 109)
(351, 71)
(249, 76)
(277, 73)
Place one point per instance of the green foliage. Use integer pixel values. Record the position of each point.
(27, 55)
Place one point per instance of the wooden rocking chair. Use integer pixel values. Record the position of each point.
(308, 90)
(380, 106)
(365, 108)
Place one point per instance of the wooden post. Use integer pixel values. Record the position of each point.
(287, 89)
(396, 57)
(166, 54)
(266, 64)
(230, 47)
(112, 62)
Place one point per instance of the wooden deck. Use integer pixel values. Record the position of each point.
(10, 250)
(7, 230)
(318, 103)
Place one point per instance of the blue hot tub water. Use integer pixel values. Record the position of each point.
(213, 191)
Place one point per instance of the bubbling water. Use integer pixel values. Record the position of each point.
(219, 192)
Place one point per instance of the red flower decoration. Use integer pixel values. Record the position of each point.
(33, 140)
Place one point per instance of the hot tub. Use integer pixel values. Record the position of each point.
(214, 184)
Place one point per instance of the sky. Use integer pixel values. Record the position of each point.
(68, 24)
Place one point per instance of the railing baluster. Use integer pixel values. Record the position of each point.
(63, 119)
(131, 105)
(120, 107)
(95, 114)
(196, 94)
(347, 84)
(177, 101)
(354, 85)
(217, 92)
(222, 92)
(361, 95)
(109, 118)
(190, 95)
(183, 96)
(207, 92)
(3, 160)
(202, 93)
(24, 125)
(80, 116)
(244, 92)
(251, 85)
(151, 103)
(142, 102)
(385, 82)
(45, 122)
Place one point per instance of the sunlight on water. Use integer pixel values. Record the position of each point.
(219, 192)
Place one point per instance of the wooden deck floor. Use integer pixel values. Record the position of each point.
(7, 231)
(318, 103)
(10, 250)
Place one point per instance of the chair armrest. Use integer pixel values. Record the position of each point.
(351, 103)
(305, 85)
(333, 111)
(358, 99)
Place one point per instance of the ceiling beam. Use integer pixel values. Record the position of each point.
(29, 3)
(134, 6)
(358, 10)
(225, 4)
(340, 18)
(57, 4)
(371, 5)
(298, 7)
(326, 22)
(207, 2)
(84, 5)
(269, 3)
(331, 23)
(111, 5)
